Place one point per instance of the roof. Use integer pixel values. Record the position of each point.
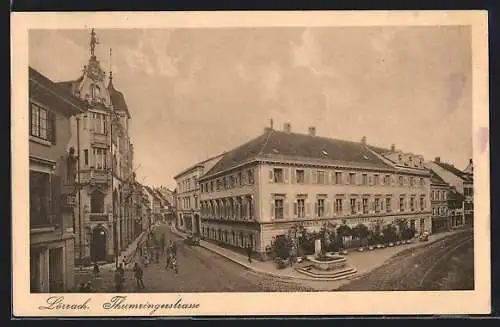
(292, 146)
(452, 169)
(77, 105)
(435, 179)
(201, 163)
(117, 98)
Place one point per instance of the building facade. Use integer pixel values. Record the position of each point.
(261, 189)
(105, 221)
(52, 171)
(461, 182)
(188, 196)
(441, 219)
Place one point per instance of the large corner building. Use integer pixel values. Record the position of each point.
(260, 189)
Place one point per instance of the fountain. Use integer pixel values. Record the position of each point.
(326, 266)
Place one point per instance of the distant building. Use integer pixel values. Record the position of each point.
(441, 220)
(462, 182)
(52, 177)
(262, 188)
(188, 195)
(155, 203)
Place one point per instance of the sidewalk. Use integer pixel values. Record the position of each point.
(129, 253)
(363, 262)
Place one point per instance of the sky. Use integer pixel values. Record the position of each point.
(194, 93)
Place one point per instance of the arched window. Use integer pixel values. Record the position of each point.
(97, 202)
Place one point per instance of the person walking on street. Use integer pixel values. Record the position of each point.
(121, 270)
(162, 242)
(118, 281)
(138, 273)
(96, 270)
(249, 252)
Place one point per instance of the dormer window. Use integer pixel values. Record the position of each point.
(324, 153)
(95, 91)
(400, 158)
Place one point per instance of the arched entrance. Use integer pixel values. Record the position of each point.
(99, 240)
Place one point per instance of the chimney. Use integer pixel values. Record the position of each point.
(287, 127)
(363, 140)
(393, 147)
(312, 131)
(437, 159)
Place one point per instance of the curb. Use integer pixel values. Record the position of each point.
(259, 271)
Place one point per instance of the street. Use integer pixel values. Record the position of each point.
(199, 271)
(447, 264)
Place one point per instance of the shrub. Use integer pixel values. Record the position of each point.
(390, 234)
(361, 232)
(282, 247)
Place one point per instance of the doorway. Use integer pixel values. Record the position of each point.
(99, 244)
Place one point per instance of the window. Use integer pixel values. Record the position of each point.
(240, 177)
(301, 208)
(97, 202)
(422, 183)
(322, 177)
(433, 211)
(365, 179)
(321, 207)
(278, 175)
(250, 176)
(98, 123)
(375, 180)
(232, 182)
(278, 208)
(211, 186)
(218, 186)
(299, 176)
(412, 204)
(42, 123)
(40, 199)
(401, 181)
(86, 157)
(353, 206)
(387, 179)
(224, 182)
(401, 204)
(412, 181)
(365, 205)
(99, 158)
(377, 205)
(388, 205)
(250, 208)
(338, 205)
(422, 203)
(352, 178)
(338, 178)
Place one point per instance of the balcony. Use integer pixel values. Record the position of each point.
(99, 139)
(95, 176)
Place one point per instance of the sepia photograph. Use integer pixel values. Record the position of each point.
(251, 159)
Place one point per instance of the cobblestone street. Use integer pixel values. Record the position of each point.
(199, 271)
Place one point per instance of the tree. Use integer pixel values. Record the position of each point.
(390, 234)
(377, 234)
(343, 231)
(282, 247)
(403, 231)
(361, 232)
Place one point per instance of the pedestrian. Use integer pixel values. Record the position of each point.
(138, 273)
(162, 242)
(121, 270)
(249, 253)
(174, 249)
(96, 270)
(118, 280)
